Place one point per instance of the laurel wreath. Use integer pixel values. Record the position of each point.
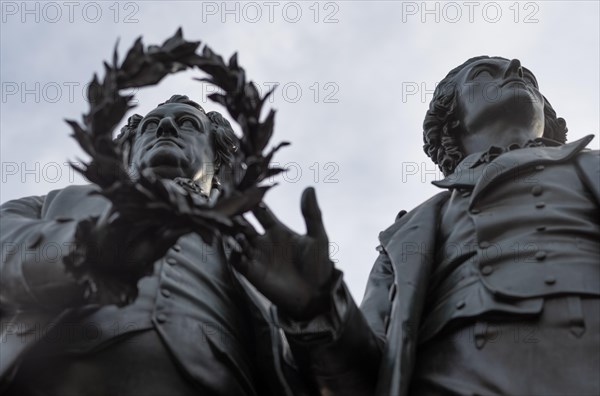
(148, 196)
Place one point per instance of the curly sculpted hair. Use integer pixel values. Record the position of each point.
(441, 128)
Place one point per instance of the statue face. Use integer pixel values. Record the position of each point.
(173, 140)
(499, 95)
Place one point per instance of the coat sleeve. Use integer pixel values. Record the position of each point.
(32, 273)
(341, 351)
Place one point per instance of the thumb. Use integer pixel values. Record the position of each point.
(312, 214)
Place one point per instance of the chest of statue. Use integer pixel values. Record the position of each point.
(528, 235)
(192, 302)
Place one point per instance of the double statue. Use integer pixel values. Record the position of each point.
(488, 288)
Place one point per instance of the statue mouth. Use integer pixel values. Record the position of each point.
(164, 142)
(516, 81)
(166, 156)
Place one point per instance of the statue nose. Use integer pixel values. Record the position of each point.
(514, 69)
(166, 128)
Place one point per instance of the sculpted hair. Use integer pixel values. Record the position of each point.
(441, 128)
(222, 136)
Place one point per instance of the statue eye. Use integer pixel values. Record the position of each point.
(483, 73)
(530, 79)
(188, 122)
(150, 125)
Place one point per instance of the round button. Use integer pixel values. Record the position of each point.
(541, 255)
(460, 305)
(550, 280)
(540, 205)
(176, 248)
(475, 211)
(484, 244)
(487, 269)
(165, 293)
(162, 318)
(171, 261)
(536, 191)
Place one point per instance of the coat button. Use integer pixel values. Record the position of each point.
(171, 261)
(475, 211)
(487, 269)
(540, 205)
(536, 191)
(162, 318)
(541, 255)
(484, 244)
(176, 248)
(165, 293)
(460, 305)
(550, 280)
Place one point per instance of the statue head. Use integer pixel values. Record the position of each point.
(486, 101)
(178, 139)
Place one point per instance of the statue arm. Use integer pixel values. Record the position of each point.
(341, 350)
(32, 269)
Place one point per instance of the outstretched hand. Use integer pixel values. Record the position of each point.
(292, 270)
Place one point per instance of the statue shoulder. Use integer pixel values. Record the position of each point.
(588, 166)
(432, 203)
(429, 207)
(82, 200)
(588, 157)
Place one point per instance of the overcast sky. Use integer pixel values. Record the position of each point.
(354, 77)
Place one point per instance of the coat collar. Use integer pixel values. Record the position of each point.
(479, 177)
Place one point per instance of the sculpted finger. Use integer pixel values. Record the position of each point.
(265, 217)
(242, 259)
(312, 214)
(239, 258)
(248, 230)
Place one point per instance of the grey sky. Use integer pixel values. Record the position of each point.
(354, 81)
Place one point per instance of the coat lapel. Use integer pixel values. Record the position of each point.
(410, 245)
(464, 176)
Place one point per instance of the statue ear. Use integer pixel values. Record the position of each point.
(127, 135)
(134, 121)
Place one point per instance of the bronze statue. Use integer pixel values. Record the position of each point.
(124, 286)
(196, 326)
(488, 288)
